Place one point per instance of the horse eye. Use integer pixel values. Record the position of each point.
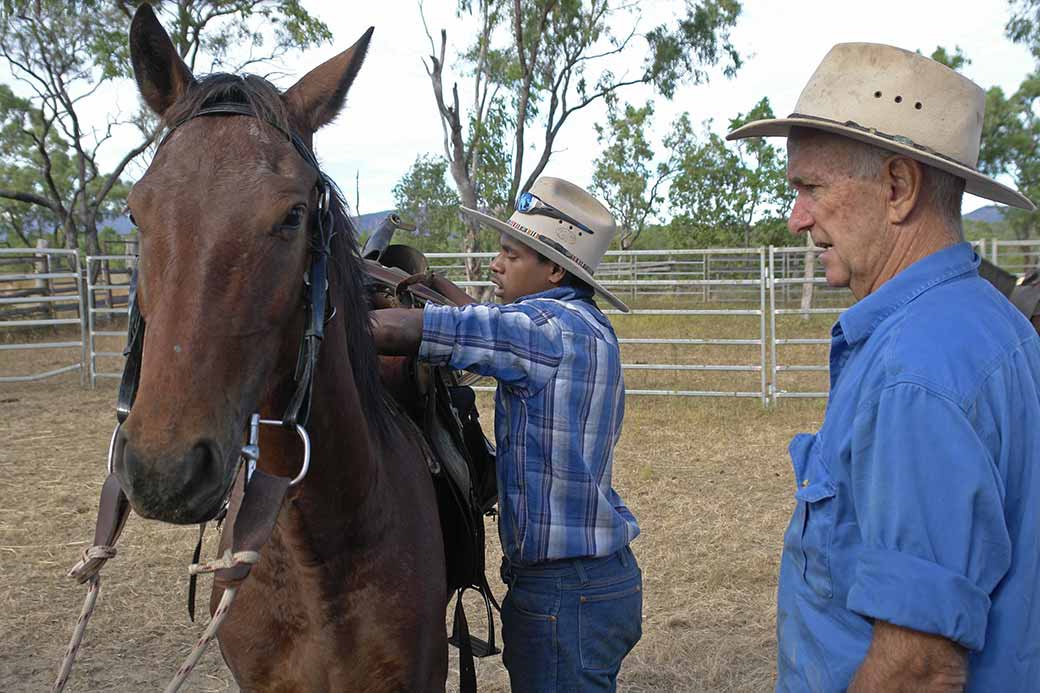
(294, 218)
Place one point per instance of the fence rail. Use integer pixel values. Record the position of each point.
(768, 341)
(38, 299)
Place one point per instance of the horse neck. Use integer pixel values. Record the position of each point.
(337, 500)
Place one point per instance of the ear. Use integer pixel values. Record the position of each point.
(162, 77)
(904, 179)
(317, 98)
(557, 275)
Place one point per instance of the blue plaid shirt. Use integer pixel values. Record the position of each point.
(558, 412)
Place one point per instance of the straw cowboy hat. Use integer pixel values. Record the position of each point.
(899, 101)
(563, 223)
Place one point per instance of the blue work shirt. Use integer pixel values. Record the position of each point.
(558, 411)
(918, 502)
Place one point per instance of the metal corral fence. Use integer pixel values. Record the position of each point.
(643, 278)
(40, 289)
(107, 306)
(799, 331)
(704, 323)
(1017, 257)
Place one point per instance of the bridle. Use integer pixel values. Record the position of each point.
(263, 494)
(316, 284)
(316, 287)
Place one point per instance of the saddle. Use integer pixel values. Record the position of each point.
(442, 407)
(1024, 292)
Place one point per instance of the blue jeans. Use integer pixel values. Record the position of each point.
(566, 625)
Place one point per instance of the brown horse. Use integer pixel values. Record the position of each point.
(350, 592)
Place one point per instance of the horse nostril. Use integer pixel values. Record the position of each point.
(201, 466)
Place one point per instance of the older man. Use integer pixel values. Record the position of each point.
(912, 562)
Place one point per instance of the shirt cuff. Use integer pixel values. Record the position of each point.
(918, 594)
(438, 334)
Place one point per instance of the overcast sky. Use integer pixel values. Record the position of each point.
(391, 116)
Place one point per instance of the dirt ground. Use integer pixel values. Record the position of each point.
(708, 479)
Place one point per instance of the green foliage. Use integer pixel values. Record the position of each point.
(1024, 25)
(62, 52)
(700, 39)
(624, 175)
(955, 60)
(727, 194)
(424, 198)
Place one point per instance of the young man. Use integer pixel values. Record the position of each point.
(573, 609)
(911, 562)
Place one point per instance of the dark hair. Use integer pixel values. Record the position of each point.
(569, 279)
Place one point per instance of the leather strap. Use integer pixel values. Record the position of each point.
(254, 522)
(113, 509)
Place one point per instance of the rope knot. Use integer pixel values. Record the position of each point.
(228, 560)
(93, 558)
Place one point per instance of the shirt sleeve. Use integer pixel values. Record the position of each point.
(517, 344)
(929, 502)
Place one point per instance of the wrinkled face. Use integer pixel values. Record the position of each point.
(844, 213)
(223, 215)
(519, 271)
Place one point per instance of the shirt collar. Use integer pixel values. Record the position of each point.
(858, 322)
(561, 293)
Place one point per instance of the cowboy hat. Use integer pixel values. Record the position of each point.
(901, 102)
(563, 223)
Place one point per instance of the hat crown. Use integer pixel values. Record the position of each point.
(901, 95)
(587, 249)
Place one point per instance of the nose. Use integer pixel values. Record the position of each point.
(496, 265)
(180, 488)
(800, 220)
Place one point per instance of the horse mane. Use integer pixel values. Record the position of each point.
(266, 102)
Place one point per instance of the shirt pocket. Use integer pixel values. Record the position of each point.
(810, 536)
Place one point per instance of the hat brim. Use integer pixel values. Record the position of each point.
(977, 183)
(549, 252)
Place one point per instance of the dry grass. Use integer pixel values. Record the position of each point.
(709, 481)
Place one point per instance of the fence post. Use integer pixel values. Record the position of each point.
(807, 275)
(41, 265)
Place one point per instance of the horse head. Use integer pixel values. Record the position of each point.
(225, 213)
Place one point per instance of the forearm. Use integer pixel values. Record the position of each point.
(397, 331)
(900, 660)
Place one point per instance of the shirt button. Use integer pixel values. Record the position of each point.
(805, 482)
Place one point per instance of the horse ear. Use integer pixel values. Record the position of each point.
(319, 95)
(162, 77)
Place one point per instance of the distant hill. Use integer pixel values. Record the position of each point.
(990, 214)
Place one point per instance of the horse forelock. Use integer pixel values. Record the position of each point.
(220, 87)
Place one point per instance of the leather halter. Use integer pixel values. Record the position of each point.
(316, 286)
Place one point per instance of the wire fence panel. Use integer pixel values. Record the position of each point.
(41, 296)
(108, 306)
(716, 322)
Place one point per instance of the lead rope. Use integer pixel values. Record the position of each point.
(94, 553)
(228, 560)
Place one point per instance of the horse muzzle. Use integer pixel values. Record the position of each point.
(186, 487)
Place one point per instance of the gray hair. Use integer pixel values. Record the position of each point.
(943, 191)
